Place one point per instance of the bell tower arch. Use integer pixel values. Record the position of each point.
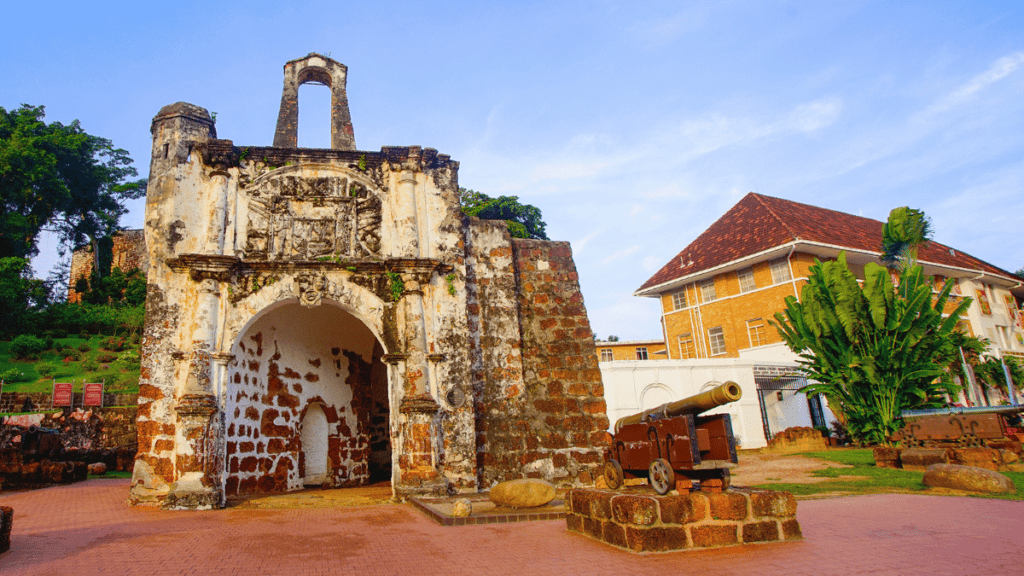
(315, 69)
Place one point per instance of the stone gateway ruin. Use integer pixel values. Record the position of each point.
(329, 317)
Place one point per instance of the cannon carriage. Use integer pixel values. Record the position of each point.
(676, 439)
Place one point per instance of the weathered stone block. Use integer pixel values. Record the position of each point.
(592, 503)
(728, 506)
(772, 503)
(791, 530)
(967, 478)
(887, 457)
(6, 524)
(766, 531)
(712, 535)
(683, 509)
(922, 458)
(615, 535)
(639, 510)
(655, 539)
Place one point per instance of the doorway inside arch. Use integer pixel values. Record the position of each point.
(307, 403)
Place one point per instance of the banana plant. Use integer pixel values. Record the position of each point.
(873, 349)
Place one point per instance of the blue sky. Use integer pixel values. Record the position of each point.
(632, 125)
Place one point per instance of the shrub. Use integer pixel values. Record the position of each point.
(128, 360)
(84, 347)
(89, 366)
(45, 369)
(26, 346)
(115, 344)
(84, 335)
(16, 375)
(71, 355)
(48, 342)
(106, 358)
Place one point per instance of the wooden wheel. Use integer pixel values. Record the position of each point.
(661, 476)
(613, 474)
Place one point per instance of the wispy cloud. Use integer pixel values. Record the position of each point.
(999, 69)
(619, 255)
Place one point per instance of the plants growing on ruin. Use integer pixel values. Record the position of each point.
(395, 285)
(362, 163)
(523, 220)
(450, 281)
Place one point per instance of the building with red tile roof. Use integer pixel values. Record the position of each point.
(718, 293)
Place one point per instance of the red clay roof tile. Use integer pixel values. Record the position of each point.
(758, 223)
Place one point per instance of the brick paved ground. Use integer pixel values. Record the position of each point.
(86, 529)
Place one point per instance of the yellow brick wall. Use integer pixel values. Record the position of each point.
(732, 309)
(628, 351)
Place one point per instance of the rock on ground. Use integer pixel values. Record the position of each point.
(969, 478)
(462, 507)
(523, 493)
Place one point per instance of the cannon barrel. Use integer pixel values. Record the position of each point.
(717, 396)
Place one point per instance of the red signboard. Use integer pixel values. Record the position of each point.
(62, 393)
(93, 394)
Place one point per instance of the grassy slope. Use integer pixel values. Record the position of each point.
(869, 479)
(117, 381)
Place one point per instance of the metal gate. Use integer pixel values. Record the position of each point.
(771, 379)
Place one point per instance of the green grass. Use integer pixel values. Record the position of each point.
(111, 474)
(865, 478)
(117, 380)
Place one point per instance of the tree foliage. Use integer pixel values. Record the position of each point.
(20, 295)
(523, 220)
(58, 178)
(872, 350)
(902, 234)
(990, 371)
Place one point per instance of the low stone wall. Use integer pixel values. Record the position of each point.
(83, 429)
(1002, 456)
(43, 401)
(796, 439)
(6, 523)
(14, 473)
(651, 523)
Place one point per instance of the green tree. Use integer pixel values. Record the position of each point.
(874, 350)
(20, 295)
(902, 234)
(990, 372)
(58, 178)
(523, 220)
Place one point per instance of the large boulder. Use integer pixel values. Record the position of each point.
(522, 493)
(969, 478)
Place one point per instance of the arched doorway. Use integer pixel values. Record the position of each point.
(307, 402)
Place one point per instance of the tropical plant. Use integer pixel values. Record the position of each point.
(874, 350)
(990, 372)
(902, 234)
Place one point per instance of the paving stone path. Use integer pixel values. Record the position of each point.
(86, 528)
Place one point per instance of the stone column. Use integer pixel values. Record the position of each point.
(197, 461)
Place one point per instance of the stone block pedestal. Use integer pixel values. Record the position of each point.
(652, 523)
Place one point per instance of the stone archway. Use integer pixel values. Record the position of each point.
(301, 376)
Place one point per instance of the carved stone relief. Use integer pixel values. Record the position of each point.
(292, 217)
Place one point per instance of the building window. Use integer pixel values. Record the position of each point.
(717, 339)
(641, 353)
(686, 349)
(606, 355)
(746, 280)
(755, 330)
(780, 271)
(707, 290)
(679, 300)
(1011, 308)
(983, 301)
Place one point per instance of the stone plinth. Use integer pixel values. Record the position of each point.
(652, 523)
(6, 522)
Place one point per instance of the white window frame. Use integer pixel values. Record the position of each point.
(707, 290)
(679, 300)
(756, 326)
(687, 352)
(716, 341)
(607, 355)
(780, 271)
(746, 278)
(641, 353)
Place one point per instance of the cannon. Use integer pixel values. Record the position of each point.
(676, 438)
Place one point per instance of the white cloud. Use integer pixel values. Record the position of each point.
(652, 263)
(619, 255)
(999, 69)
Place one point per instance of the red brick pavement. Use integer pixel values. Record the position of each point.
(86, 528)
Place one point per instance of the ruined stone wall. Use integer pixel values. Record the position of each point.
(89, 429)
(128, 253)
(345, 288)
(564, 394)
